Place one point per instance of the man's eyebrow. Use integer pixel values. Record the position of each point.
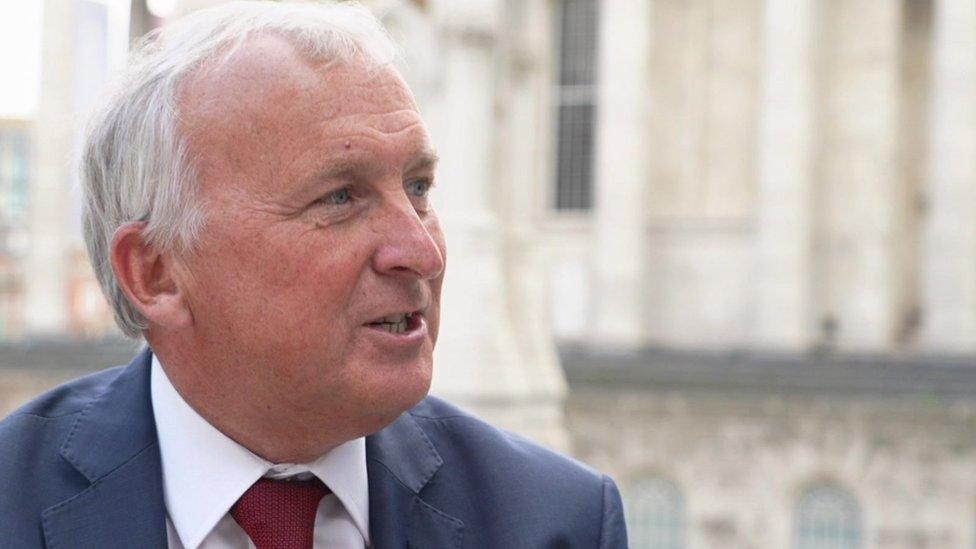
(347, 167)
(424, 160)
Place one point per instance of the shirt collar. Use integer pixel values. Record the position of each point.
(205, 472)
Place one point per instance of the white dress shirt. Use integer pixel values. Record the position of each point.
(205, 472)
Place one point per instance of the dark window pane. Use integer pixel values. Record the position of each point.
(575, 93)
(578, 41)
(575, 157)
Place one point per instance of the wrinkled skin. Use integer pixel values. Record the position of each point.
(314, 181)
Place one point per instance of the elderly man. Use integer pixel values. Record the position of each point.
(258, 209)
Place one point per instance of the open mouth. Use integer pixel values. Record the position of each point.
(398, 323)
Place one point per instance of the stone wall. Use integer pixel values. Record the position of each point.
(741, 461)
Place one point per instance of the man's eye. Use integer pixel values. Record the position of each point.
(337, 197)
(418, 187)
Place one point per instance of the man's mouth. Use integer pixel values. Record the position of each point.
(398, 323)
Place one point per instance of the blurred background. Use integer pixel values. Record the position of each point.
(723, 250)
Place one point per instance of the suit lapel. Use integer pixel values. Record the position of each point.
(113, 444)
(400, 461)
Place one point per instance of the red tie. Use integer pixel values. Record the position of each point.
(280, 514)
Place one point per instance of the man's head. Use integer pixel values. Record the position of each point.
(257, 207)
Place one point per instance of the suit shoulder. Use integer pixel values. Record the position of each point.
(511, 492)
(66, 399)
(455, 431)
(33, 473)
(47, 418)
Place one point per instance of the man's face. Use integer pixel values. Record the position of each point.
(319, 236)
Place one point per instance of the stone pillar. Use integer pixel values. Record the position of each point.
(949, 239)
(622, 172)
(859, 192)
(784, 312)
(45, 299)
(140, 20)
(480, 363)
(524, 132)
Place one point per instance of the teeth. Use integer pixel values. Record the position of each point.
(396, 324)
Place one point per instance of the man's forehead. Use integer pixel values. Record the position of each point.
(269, 67)
(271, 114)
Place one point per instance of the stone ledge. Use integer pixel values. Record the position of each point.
(57, 355)
(814, 373)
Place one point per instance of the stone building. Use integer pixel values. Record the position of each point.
(744, 232)
(775, 265)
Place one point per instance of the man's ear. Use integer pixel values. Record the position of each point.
(147, 278)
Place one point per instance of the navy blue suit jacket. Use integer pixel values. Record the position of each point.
(80, 467)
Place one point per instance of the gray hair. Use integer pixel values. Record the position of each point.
(134, 164)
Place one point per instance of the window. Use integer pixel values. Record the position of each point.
(827, 517)
(575, 97)
(655, 514)
(14, 179)
(14, 160)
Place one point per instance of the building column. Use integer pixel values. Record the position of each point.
(480, 363)
(527, 39)
(859, 197)
(949, 222)
(622, 172)
(45, 300)
(784, 309)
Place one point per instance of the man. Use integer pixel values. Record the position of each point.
(257, 209)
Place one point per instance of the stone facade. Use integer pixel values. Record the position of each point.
(743, 437)
(742, 461)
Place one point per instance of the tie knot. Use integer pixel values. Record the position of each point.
(280, 514)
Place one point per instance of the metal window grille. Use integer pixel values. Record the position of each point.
(827, 517)
(575, 103)
(655, 514)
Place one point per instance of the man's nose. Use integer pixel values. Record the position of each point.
(410, 245)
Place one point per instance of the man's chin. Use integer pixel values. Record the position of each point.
(397, 401)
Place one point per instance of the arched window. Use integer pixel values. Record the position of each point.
(827, 517)
(655, 514)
